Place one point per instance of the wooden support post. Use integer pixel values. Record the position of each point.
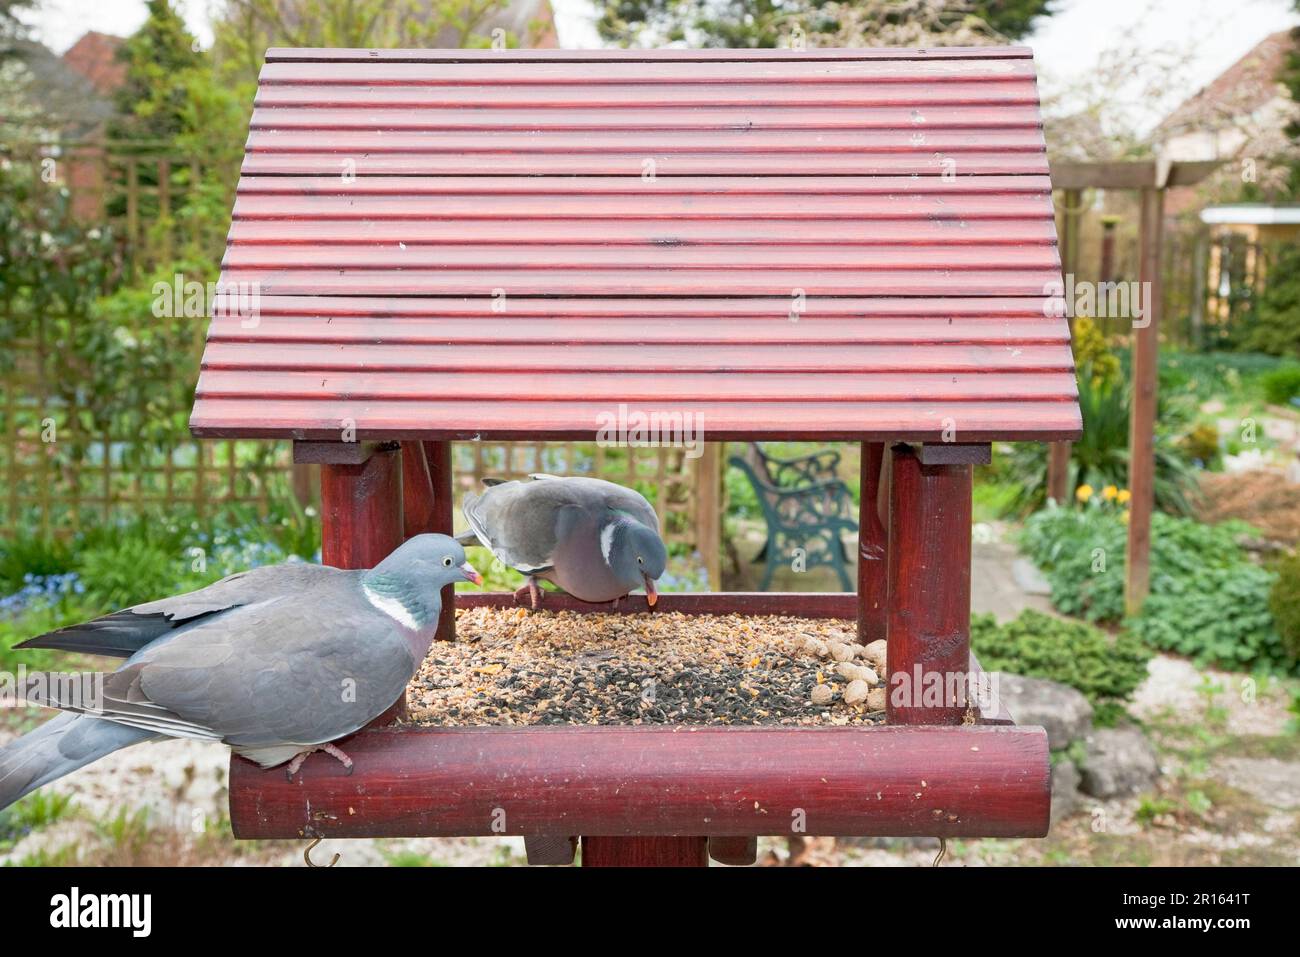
(550, 851)
(305, 480)
(645, 852)
(929, 591)
(361, 521)
(361, 510)
(1058, 453)
(735, 851)
(438, 457)
(873, 586)
(708, 511)
(1141, 443)
(418, 505)
(1058, 471)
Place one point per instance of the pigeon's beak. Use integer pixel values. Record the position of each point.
(471, 573)
(651, 596)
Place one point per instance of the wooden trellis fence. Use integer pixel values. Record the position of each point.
(64, 468)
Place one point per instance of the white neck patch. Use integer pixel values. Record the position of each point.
(607, 540)
(393, 608)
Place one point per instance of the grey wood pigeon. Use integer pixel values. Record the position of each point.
(594, 539)
(276, 662)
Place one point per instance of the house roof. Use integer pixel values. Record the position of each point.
(1244, 87)
(65, 98)
(94, 56)
(825, 244)
(1252, 214)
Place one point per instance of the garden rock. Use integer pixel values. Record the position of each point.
(1065, 790)
(1118, 762)
(1062, 710)
(1030, 580)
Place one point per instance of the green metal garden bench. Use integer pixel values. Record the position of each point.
(805, 515)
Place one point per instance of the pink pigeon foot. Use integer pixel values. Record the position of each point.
(531, 590)
(296, 764)
(336, 752)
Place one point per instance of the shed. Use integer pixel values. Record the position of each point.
(837, 245)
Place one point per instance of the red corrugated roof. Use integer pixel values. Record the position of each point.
(511, 243)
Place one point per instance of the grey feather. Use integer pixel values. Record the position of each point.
(272, 663)
(123, 633)
(550, 527)
(58, 747)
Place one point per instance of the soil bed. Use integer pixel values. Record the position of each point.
(518, 667)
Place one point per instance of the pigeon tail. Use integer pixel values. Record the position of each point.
(468, 537)
(58, 747)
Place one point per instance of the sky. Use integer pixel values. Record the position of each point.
(1066, 45)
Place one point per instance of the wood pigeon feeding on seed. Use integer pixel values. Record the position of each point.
(594, 539)
(276, 662)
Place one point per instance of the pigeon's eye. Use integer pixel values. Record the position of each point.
(447, 562)
(640, 560)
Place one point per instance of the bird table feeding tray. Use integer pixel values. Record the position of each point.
(431, 246)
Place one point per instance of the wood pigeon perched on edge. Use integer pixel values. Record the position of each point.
(594, 539)
(276, 662)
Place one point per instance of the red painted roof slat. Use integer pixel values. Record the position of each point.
(931, 233)
(652, 143)
(1019, 90)
(837, 186)
(656, 118)
(673, 357)
(481, 56)
(636, 387)
(613, 161)
(701, 330)
(1020, 419)
(450, 243)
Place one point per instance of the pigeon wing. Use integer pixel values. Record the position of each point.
(520, 528)
(298, 670)
(123, 633)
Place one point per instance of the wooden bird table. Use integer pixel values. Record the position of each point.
(825, 245)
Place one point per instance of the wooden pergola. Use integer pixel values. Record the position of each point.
(835, 245)
(1150, 178)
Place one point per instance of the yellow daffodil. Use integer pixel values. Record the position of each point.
(1123, 496)
(1083, 493)
(1109, 493)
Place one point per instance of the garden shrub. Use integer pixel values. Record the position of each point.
(1092, 353)
(1282, 385)
(1284, 603)
(1100, 456)
(1201, 445)
(1275, 328)
(1208, 600)
(27, 557)
(1227, 376)
(1105, 669)
(129, 571)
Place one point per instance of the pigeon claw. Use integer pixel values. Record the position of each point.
(338, 753)
(296, 764)
(530, 589)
